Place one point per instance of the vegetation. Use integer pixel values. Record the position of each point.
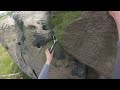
(8, 68)
(60, 21)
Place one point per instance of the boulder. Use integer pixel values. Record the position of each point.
(26, 35)
(92, 40)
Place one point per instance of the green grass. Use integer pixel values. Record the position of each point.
(61, 19)
(5, 15)
(8, 66)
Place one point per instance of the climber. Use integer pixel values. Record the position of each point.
(45, 70)
(116, 72)
(116, 17)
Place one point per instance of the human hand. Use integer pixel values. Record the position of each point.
(116, 17)
(49, 56)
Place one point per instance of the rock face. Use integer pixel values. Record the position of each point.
(92, 40)
(26, 35)
(23, 35)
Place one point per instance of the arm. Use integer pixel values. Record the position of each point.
(45, 70)
(116, 72)
(116, 17)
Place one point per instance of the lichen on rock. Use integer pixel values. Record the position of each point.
(26, 35)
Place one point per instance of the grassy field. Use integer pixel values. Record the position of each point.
(8, 68)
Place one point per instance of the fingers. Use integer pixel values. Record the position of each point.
(114, 14)
(52, 52)
(47, 51)
(110, 13)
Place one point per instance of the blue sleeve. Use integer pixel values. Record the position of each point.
(44, 72)
(116, 72)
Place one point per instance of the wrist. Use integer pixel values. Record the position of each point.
(48, 62)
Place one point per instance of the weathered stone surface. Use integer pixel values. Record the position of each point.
(92, 40)
(18, 35)
(26, 35)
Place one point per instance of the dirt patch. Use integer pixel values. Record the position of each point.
(92, 40)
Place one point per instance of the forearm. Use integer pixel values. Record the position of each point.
(116, 72)
(44, 72)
